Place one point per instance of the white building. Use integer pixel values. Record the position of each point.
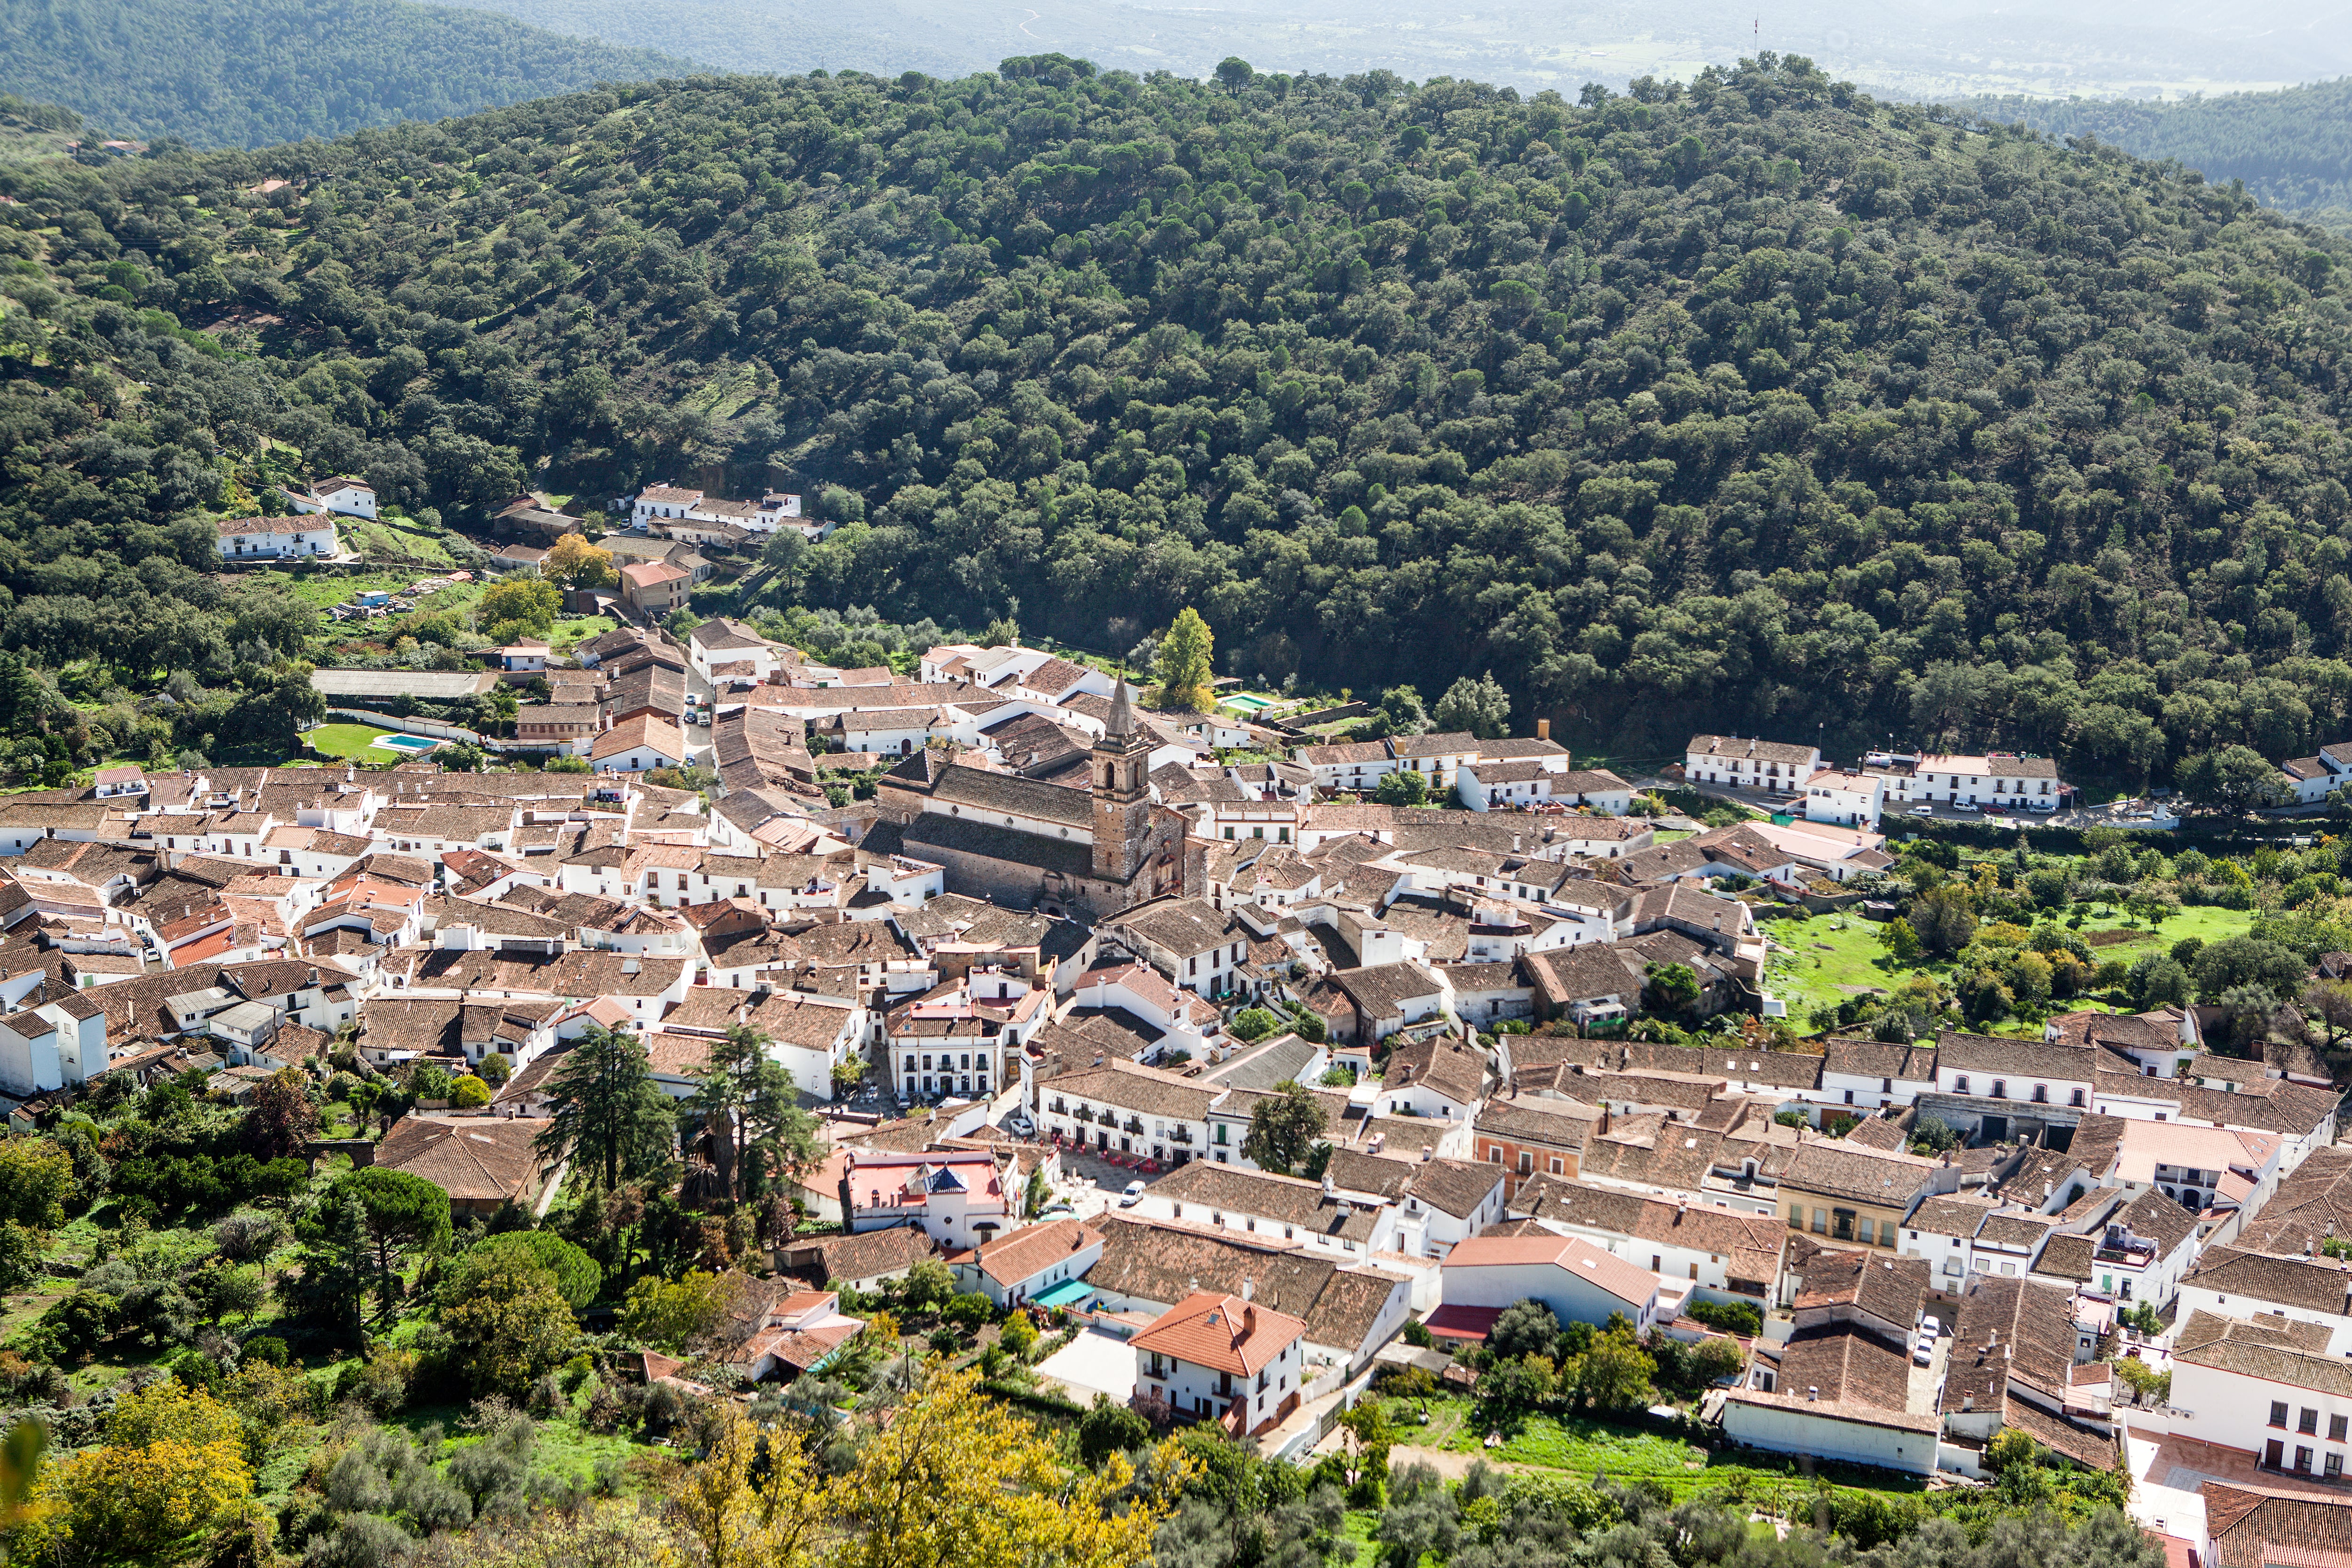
(1027, 1263)
(1741, 763)
(352, 497)
(957, 1196)
(2267, 1387)
(1998, 780)
(275, 538)
(1848, 799)
(52, 1045)
(1221, 1358)
(1581, 1283)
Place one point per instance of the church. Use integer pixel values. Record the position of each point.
(1085, 854)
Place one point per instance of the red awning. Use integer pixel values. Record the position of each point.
(1461, 1322)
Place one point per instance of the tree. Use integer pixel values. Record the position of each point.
(283, 1118)
(751, 1106)
(1401, 713)
(1614, 1373)
(1523, 1328)
(1945, 917)
(674, 1313)
(469, 1093)
(1019, 1335)
(2156, 980)
(394, 1215)
(1252, 1024)
(577, 1275)
(574, 561)
(1185, 664)
(928, 1286)
(1235, 73)
(35, 1176)
(1671, 990)
(495, 1069)
(959, 1480)
(2328, 1004)
(1401, 786)
(1901, 942)
(171, 1468)
(1106, 1428)
(2229, 780)
(519, 606)
(510, 1322)
(755, 1501)
(2242, 961)
(1284, 1126)
(1481, 706)
(605, 1110)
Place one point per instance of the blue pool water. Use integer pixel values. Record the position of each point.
(407, 743)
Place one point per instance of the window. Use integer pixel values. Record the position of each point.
(1527, 1162)
(2334, 1466)
(2000, 1089)
(2077, 1097)
(2040, 1094)
(1796, 1217)
(2278, 1413)
(1493, 1152)
(1960, 1084)
(1866, 1232)
(2303, 1460)
(1558, 1167)
(2306, 1420)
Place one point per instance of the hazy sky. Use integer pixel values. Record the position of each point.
(1927, 48)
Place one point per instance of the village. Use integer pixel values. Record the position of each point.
(1265, 1087)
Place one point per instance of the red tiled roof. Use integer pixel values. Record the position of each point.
(1223, 1333)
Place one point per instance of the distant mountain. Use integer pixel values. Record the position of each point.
(2292, 149)
(247, 73)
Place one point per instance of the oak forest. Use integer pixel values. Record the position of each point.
(1749, 403)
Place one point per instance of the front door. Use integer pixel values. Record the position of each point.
(2275, 1454)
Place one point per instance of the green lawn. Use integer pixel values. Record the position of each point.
(1588, 1448)
(2211, 924)
(1832, 957)
(355, 742)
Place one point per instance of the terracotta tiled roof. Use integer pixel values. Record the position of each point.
(1222, 1332)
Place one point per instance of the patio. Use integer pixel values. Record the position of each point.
(2168, 1472)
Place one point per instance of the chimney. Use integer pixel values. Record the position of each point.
(1326, 1183)
(1427, 1152)
(1813, 1392)
(1249, 1290)
(1543, 729)
(1249, 1321)
(1968, 1402)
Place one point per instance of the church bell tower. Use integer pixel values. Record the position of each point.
(1122, 792)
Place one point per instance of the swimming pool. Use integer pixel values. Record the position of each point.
(417, 745)
(1247, 703)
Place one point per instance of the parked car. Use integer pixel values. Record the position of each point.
(1130, 1196)
(1924, 1352)
(1931, 1325)
(1922, 811)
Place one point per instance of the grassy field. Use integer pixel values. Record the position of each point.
(1587, 1450)
(1832, 957)
(394, 536)
(355, 742)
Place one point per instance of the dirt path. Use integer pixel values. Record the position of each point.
(1447, 1462)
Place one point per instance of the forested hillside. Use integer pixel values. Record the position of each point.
(1760, 405)
(2292, 149)
(246, 73)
